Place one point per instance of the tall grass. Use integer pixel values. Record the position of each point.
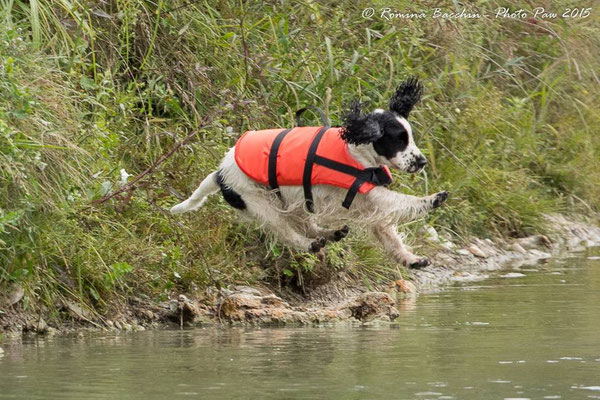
(508, 121)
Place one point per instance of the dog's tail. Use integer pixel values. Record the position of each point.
(208, 186)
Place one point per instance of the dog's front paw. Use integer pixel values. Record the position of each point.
(420, 263)
(341, 233)
(439, 199)
(317, 245)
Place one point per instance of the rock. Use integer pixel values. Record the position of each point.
(431, 234)
(535, 241)
(463, 252)
(248, 289)
(403, 286)
(540, 254)
(236, 305)
(246, 306)
(371, 305)
(118, 325)
(486, 246)
(518, 248)
(76, 311)
(126, 327)
(448, 245)
(188, 310)
(16, 295)
(1, 352)
(273, 300)
(476, 251)
(41, 326)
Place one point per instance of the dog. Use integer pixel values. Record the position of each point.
(377, 140)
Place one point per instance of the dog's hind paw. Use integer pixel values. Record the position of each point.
(317, 245)
(421, 263)
(439, 199)
(341, 233)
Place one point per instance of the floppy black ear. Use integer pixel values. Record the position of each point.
(359, 128)
(407, 95)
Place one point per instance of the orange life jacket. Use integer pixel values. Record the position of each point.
(306, 156)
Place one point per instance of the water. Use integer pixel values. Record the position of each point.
(533, 336)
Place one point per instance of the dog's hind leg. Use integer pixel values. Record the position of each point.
(392, 242)
(268, 216)
(314, 231)
(208, 186)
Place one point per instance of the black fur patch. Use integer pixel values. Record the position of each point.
(395, 137)
(359, 128)
(231, 196)
(407, 95)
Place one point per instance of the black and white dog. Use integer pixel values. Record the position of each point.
(382, 137)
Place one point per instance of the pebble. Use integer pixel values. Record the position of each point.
(513, 275)
(432, 235)
(518, 248)
(448, 245)
(477, 251)
(463, 252)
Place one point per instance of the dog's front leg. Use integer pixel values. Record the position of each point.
(392, 242)
(405, 206)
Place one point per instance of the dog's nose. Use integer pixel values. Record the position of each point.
(421, 162)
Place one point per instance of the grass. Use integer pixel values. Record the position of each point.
(508, 122)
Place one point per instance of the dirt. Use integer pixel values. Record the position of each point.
(339, 300)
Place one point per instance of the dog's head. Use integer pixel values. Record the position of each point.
(388, 133)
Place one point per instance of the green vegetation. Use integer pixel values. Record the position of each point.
(509, 122)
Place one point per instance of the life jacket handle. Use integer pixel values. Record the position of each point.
(324, 120)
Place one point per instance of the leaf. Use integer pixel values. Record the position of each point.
(287, 272)
(105, 188)
(185, 28)
(87, 83)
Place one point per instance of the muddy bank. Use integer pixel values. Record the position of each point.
(341, 299)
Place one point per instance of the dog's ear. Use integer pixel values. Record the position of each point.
(359, 128)
(407, 95)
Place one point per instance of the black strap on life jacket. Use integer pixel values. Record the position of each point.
(273, 161)
(312, 153)
(377, 176)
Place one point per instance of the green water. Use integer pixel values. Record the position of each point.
(534, 336)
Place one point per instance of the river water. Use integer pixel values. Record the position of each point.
(527, 333)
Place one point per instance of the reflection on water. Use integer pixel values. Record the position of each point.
(531, 333)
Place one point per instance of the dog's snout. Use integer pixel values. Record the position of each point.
(421, 162)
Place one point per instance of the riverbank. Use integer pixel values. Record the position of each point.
(341, 300)
(112, 112)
